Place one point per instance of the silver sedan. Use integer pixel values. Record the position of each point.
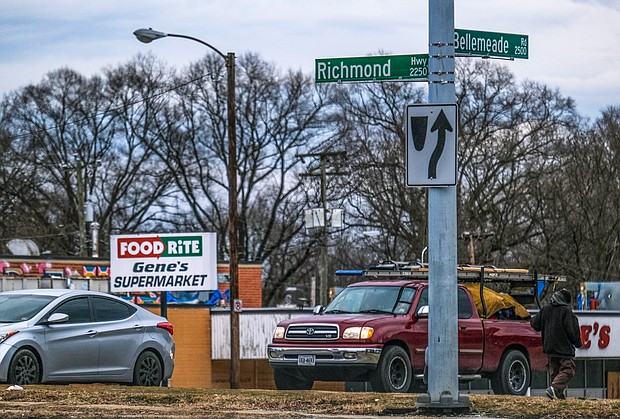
(68, 336)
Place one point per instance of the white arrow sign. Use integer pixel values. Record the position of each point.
(431, 144)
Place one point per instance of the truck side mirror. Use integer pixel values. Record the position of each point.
(318, 310)
(422, 311)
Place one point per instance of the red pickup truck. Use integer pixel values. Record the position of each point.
(376, 331)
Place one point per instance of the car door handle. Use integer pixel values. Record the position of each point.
(138, 327)
(91, 333)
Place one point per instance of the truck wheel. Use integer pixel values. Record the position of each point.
(513, 375)
(393, 373)
(285, 381)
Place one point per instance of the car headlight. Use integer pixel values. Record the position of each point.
(5, 335)
(358, 332)
(278, 333)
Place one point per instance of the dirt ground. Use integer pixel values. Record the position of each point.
(114, 401)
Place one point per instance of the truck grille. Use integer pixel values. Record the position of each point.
(312, 332)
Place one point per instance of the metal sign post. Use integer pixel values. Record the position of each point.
(431, 161)
(442, 350)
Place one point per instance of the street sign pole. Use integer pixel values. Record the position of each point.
(442, 350)
(434, 166)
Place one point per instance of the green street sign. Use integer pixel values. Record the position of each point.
(490, 44)
(371, 68)
(414, 67)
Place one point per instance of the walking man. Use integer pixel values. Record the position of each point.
(559, 328)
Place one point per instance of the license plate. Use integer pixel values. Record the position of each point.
(307, 360)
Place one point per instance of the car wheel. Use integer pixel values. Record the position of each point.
(393, 373)
(513, 375)
(148, 370)
(24, 368)
(285, 381)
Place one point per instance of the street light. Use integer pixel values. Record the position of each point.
(146, 36)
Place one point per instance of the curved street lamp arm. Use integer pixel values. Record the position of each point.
(149, 35)
(220, 53)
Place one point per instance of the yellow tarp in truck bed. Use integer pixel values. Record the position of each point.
(495, 302)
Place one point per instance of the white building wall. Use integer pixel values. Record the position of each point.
(256, 328)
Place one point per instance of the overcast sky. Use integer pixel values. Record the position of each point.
(573, 43)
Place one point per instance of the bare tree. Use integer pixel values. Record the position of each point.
(68, 128)
(279, 116)
(137, 185)
(370, 124)
(148, 146)
(508, 139)
(19, 183)
(509, 135)
(583, 223)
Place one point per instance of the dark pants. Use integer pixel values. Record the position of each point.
(561, 371)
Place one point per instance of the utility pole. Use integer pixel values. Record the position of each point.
(472, 237)
(149, 35)
(81, 206)
(85, 210)
(94, 231)
(323, 293)
(323, 160)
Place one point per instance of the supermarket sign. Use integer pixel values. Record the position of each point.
(598, 332)
(163, 262)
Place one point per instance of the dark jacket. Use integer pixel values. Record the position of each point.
(559, 328)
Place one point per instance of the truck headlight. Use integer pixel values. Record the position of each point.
(358, 332)
(278, 333)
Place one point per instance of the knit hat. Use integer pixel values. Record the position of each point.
(567, 295)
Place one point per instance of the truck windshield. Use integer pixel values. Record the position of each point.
(389, 300)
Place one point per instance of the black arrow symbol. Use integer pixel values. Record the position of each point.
(441, 124)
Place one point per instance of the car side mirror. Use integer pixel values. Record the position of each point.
(318, 310)
(57, 318)
(422, 312)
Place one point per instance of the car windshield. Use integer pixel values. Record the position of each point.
(372, 299)
(17, 308)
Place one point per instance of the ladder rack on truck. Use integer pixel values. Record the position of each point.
(523, 285)
(465, 273)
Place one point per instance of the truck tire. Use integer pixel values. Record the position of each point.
(513, 375)
(285, 381)
(393, 373)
